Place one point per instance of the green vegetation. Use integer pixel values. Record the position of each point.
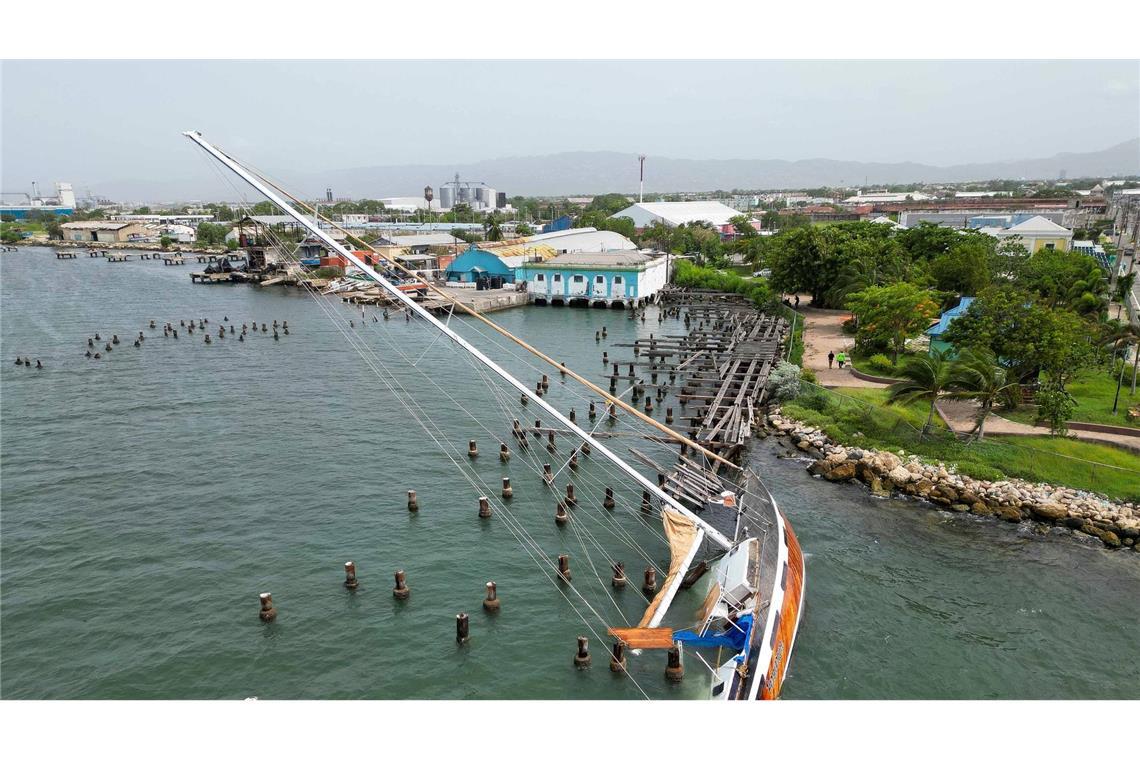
(689, 275)
(889, 315)
(1093, 394)
(860, 417)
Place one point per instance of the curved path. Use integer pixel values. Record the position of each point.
(823, 332)
(959, 415)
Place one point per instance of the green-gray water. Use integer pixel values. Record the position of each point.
(149, 496)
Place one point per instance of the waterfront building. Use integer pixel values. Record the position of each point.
(676, 213)
(613, 278)
(103, 231)
(60, 204)
(495, 262)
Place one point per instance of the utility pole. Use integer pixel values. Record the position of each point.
(641, 188)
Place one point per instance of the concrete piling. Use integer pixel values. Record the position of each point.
(350, 581)
(669, 415)
(484, 507)
(605, 357)
(582, 658)
(617, 658)
(401, 590)
(508, 492)
(268, 612)
(648, 405)
(538, 428)
(619, 579)
(650, 585)
(413, 504)
(550, 444)
(462, 628)
(491, 603)
(472, 449)
(504, 453)
(613, 413)
(574, 460)
(560, 515)
(674, 670)
(604, 332)
(608, 502)
(545, 383)
(571, 501)
(547, 474)
(564, 567)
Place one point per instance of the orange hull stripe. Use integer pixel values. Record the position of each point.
(789, 619)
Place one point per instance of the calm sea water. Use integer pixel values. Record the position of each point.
(148, 497)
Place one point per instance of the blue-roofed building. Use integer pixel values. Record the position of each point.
(618, 279)
(948, 316)
(559, 224)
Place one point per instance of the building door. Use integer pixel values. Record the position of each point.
(619, 287)
(556, 286)
(600, 286)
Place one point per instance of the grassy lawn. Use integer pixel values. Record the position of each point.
(1033, 458)
(1094, 393)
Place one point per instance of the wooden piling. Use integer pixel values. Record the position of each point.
(571, 501)
(547, 474)
(573, 416)
(593, 410)
(674, 670)
(550, 444)
(413, 504)
(560, 515)
(669, 415)
(582, 658)
(650, 585)
(508, 492)
(617, 658)
(462, 628)
(491, 603)
(646, 501)
(350, 581)
(472, 449)
(268, 612)
(401, 590)
(573, 464)
(504, 453)
(608, 502)
(619, 579)
(564, 567)
(484, 507)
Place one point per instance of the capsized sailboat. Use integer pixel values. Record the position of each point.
(752, 610)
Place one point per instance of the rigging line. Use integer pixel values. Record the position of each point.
(353, 340)
(645, 418)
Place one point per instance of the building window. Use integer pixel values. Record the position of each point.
(541, 278)
(558, 278)
(617, 279)
(600, 280)
(1050, 246)
(579, 278)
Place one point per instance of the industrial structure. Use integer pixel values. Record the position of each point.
(61, 204)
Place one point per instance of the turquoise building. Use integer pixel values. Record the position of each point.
(948, 316)
(617, 279)
(475, 263)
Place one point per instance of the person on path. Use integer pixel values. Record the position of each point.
(841, 358)
(797, 300)
(830, 359)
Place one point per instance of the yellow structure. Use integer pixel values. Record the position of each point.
(1036, 234)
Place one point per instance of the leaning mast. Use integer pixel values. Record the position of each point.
(709, 531)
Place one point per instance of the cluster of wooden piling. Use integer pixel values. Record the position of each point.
(188, 327)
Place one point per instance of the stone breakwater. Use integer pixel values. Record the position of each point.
(1055, 509)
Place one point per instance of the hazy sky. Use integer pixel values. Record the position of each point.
(103, 122)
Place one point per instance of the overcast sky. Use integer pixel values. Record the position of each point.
(103, 122)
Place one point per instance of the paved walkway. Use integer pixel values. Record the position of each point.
(823, 332)
(960, 416)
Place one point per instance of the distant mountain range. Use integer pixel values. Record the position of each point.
(591, 173)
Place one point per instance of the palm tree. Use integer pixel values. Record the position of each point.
(977, 375)
(493, 225)
(924, 378)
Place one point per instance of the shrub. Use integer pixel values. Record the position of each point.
(814, 400)
(784, 381)
(809, 376)
(881, 363)
(689, 275)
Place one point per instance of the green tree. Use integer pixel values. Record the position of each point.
(924, 378)
(1065, 279)
(661, 235)
(263, 208)
(964, 268)
(1122, 290)
(524, 229)
(493, 226)
(11, 236)
(743, 226)
(1055, 405)
(978, 376)
(54, 230)
(164, 242)
(142, 210)
(608, 204)
(890, 314)
(927, 241)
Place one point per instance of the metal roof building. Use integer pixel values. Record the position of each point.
(676, 213)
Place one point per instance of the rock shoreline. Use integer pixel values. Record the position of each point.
(1056, 508)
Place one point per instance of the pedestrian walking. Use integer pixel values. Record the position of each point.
(797, 300)
(842, 359)
(830, 359)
